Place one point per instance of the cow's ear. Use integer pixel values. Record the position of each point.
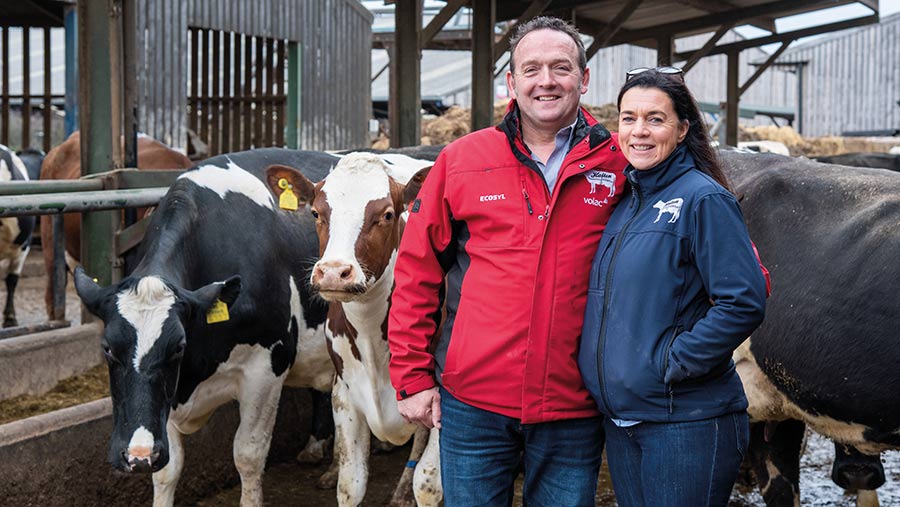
(280, 177)
(414, 184)
(226, 292)
(92, 295)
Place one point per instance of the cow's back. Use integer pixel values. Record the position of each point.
(829, 237)
(201, 234)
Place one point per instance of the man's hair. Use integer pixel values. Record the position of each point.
(547, 23)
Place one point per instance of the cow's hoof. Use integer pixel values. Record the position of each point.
(315, 451)
(10, 322)
(407, 501)
(328, 480)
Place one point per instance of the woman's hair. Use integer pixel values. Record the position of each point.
(697, 138)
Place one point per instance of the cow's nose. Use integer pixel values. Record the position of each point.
(328, 275)
(140, 459)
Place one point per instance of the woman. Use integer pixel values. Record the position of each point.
(675, 287)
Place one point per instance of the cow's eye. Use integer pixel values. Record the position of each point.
(178, 353)
(315, 214)
(389, 216)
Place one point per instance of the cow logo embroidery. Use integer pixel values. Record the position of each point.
(672, 206)
(602, 178)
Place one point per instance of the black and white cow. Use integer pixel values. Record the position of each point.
(218, 239)
(15, 235)
(32, 158)
(826, 356)
(873, 160)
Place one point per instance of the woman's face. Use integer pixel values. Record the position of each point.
(649, 129)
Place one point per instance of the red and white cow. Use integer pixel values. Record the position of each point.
(358, 209)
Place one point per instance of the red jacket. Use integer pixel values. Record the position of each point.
(515, 262)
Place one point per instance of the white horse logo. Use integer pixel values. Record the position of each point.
(672, 206)
(602, 178)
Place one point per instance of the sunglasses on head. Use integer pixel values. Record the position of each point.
(669, 71)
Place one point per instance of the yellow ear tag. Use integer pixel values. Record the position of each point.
(217, 313)
(288, 199)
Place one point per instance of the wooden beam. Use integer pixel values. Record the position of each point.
(764, 22)
(536, 7)
(717, 19)
(710, 44)
(614, 25)
(44, 12)
(762, 68)
(405, 101)
(783, 37)
(438, 22)
(482, 64)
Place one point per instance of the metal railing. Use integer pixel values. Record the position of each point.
(119, 189)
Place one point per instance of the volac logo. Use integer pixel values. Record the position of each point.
(492, 197)
(672, 206)
(595, 202)
(602, 178)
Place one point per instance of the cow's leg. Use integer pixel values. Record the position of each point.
(351, 444)
(166, 479)
(9, 312)
(322, 436)
(427, 481)
(258, 404)
(403, 491)
(857, 473)
(775, 454)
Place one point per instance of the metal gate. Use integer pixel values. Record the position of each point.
(24, 101)
(237, 94)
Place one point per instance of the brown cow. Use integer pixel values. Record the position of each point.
(64, 163)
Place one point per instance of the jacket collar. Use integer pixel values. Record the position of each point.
(585, 126)
(663, 174)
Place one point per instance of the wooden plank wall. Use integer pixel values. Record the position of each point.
(852, 80)
(335, 40)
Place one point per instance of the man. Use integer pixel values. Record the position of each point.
(505, 226)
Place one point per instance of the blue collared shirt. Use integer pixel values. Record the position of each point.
(555, 160)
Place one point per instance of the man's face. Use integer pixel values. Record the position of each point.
(547, 82)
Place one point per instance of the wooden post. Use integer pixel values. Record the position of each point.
(664, 46)
(733, 97)
(96, 134)
(482, 64)
(405, 98)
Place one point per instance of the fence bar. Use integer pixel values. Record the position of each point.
(4, 130)
(48, 186)
(26, 88)
(69, 202)
(48, 110)
(58, 279)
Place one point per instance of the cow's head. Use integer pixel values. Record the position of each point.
(358, 210)
(144, 342)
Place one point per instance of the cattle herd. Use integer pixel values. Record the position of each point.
(274, 267)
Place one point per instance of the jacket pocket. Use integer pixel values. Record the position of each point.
(670, 388)
(492, 203)
(664, 360)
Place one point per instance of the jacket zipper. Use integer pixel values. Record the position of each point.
(636, 197)
(527, 201)
(670, 389)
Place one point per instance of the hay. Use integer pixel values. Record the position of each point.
(89, 386)
(815, 146)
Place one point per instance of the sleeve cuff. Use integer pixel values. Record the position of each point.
(415, 387)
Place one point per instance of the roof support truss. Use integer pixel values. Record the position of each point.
(601, 40)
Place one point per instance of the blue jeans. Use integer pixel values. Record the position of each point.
(483, 452)
(684, 464)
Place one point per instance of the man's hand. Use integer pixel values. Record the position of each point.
(422, 408)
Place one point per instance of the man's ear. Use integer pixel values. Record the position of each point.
(280, 177)
(414, 184)
(92, 295)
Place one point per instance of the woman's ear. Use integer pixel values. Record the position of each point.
(683, 128)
